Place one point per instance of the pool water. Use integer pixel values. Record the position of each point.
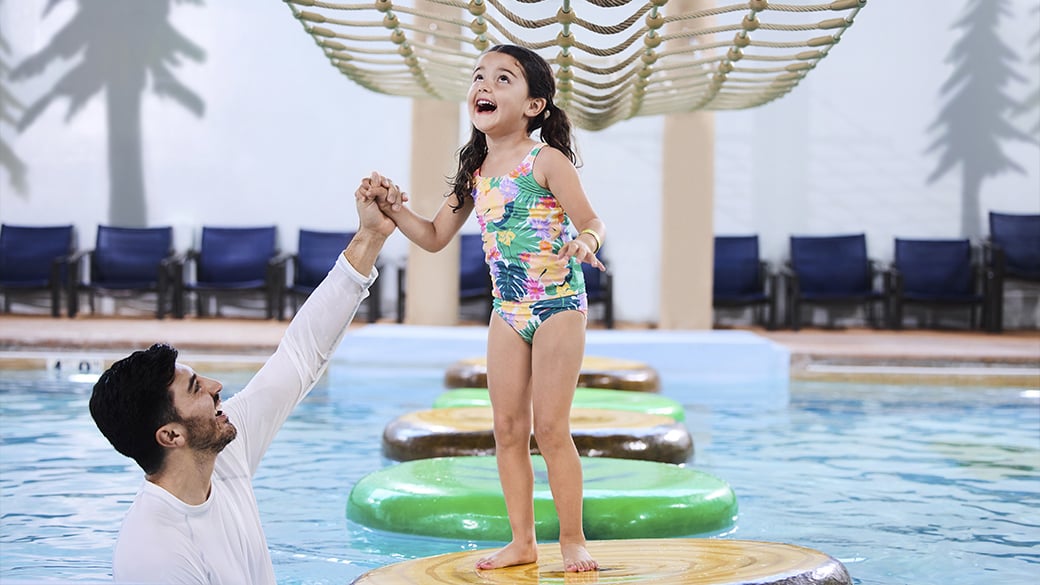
(921, 485)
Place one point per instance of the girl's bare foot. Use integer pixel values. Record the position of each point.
(576, 559)
(514, 553)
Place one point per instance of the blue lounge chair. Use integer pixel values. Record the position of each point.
(831, 271)
(1011, 253)
(127, 262)
(316, 253)
(935, 273)
(35, 259)
(742, 279)
(235, 261)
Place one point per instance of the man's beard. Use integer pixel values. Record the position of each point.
(209, 435)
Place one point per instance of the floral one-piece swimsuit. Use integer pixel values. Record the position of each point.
(523, 228)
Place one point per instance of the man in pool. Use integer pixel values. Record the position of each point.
(195, 518)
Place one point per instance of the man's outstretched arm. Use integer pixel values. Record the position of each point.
(310, 339)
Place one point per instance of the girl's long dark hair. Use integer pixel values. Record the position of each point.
(553, 122)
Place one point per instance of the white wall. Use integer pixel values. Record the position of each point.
(285, 139)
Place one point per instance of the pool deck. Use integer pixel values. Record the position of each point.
(959, 357)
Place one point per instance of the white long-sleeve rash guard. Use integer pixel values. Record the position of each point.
(164, 540)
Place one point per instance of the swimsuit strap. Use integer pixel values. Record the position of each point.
(533, 154)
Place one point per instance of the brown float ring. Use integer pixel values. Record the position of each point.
(657, 561)
(449, 432)
(596, 372)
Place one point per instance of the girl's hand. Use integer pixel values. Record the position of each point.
(383, 191)
(581, 251)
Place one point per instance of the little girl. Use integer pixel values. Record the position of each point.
(526, 195)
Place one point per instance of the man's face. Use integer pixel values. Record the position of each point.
(196, 399)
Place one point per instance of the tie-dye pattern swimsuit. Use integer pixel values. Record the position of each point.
(524, 227)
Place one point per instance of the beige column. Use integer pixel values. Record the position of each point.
(432, 282)
(687, 202)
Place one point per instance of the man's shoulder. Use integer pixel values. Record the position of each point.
(149, 519)
(154, 517)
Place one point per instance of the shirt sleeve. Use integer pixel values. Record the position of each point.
(260, 409)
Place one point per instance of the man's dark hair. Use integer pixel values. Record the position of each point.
(131, 400)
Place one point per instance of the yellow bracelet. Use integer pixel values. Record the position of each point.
(595, 236)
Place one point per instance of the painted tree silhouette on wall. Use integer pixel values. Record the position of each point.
(975, 118)
(1031, 104)
(9, 107)
(123, 43)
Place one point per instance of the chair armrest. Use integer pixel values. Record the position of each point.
(191, 257)
(993, 256)
(877, 273)
(75, 256)
(766, 275)
(892, 279)
(876, 266)
(279, 259)
(294, 261)
(172, 266)
(277, 270)
(75, 263)
(790, 279)
(174, 258)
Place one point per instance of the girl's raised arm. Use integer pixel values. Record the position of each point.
(430, 235)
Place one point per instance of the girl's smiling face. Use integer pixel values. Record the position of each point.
(498, 99)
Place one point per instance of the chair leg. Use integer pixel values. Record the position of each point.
(880, 321)
(997, 304)
(770, 315)
(178, 302)
(55, 302)
(161, 293)
(400, 295)
(373, 306)
(73, 302)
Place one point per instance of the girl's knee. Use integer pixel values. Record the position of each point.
(512, 436)
(551, 436)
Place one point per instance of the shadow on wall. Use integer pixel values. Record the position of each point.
(9, 106)
(123, 44)
(977, 114)
(1030, 107)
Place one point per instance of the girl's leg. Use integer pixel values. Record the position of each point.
(509, 373)
(557, 351)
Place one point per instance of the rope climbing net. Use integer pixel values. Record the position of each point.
(613, 59)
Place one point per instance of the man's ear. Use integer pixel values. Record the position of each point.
(535, 107)
(170, 435)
